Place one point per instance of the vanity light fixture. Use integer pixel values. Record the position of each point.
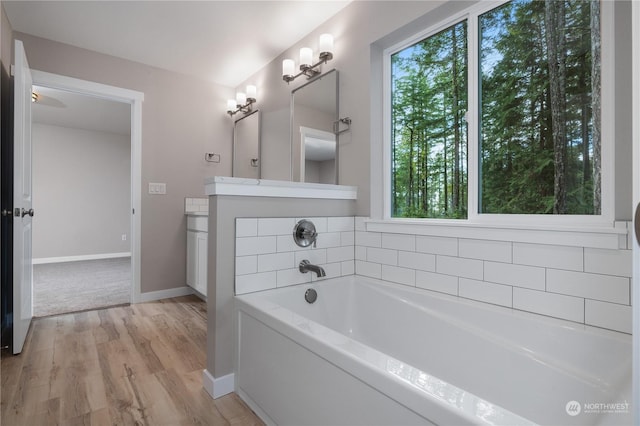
(34, 97)
(243, 101)
(306, 59)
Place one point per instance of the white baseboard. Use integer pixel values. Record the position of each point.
(218, 387)
(43, 260)
(165, 294)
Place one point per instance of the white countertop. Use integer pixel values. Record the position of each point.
(222, 185)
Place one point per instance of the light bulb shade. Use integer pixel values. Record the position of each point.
(231, 105)
(252, 92)
(288, 67)
(306, 57)
(326, 43)
(241, 99)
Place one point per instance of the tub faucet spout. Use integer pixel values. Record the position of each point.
(306, 266)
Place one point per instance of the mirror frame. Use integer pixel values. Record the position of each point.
(235, 133)
(293, 131)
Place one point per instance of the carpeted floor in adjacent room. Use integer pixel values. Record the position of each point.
(77, 286)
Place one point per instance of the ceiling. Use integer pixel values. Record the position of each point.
(220, 41)
(66, 109)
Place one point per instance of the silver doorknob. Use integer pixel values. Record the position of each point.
(27, 212)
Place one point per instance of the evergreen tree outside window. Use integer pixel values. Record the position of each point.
(429, 141)
(537, 116)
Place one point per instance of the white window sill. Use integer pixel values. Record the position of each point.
(615, 237)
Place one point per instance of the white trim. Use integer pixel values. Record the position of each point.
(218, 387)
(135, 99)
(610, 238)
(165, 294)
(604, 220)
(44, 260)
(221, 185)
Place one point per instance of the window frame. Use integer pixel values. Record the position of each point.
(605, 220)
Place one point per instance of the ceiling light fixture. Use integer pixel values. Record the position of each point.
(243, 102)
(306, 59)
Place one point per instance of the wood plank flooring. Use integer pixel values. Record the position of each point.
(128, 365)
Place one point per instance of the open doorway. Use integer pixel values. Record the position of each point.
(82, 193)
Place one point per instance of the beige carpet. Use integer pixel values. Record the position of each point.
(76, 286)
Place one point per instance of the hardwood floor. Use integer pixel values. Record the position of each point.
(129, 365)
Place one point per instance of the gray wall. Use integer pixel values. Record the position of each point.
(81, 191)
(361, 30)
(223, 211)
(354, 29)
(181, 120)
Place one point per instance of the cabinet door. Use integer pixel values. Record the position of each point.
(192, 258)
(201, 279)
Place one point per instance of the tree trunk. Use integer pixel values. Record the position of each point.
(455, 201)
(595, 104)
(555, 38)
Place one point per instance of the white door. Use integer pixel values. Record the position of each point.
(22, 201)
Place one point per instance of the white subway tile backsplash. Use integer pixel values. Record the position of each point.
(319, 222)
(467, 268)
(347, 238)
(287, 277)
(419, 261)
(437, 282)
(496, 294)
(315, 256)
(246, 228)
(286, 243)
(553, 305)
(591, 286)
(255, 282)
(497, 251)
(246, 265)
(399, 275)
(368, 239)
(437, 245)
(382, 256)
(332, 270)
(608, 315)
(560, 257)
(609, 262)
(399, 242)
(368, 269)
(275, 261)
(348, 267)
(339, 254)
(340, 224)
(255, 245)
(276, 226)
(329, 239)
(516, 275)
(586, 285)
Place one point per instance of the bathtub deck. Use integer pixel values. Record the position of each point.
(139, 364)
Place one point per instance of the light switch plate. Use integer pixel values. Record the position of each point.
(157, 188)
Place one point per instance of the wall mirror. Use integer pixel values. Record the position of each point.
(246, 146)
(314, 143)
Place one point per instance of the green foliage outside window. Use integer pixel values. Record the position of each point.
(539, 114)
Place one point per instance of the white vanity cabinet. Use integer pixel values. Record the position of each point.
(197, 253)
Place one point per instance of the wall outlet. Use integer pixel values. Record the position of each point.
(157, 188)
(124, 237)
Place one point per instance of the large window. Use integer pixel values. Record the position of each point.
(533, 94)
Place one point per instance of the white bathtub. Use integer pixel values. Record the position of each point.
(367, 352)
